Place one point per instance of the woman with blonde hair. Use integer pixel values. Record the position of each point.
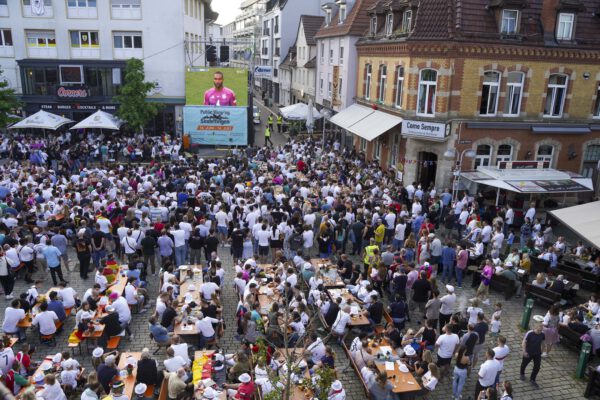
(540, 280)
(525, 262)
(422, 366)
(410, 244)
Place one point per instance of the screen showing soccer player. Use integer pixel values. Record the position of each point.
(219, 95)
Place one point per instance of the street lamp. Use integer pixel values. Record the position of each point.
(452, 153)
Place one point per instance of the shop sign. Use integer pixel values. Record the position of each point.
(76, 107)
(78, 92)
(425, 130)
(523, 164)
(335, 100)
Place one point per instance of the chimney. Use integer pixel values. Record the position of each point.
(548, 18)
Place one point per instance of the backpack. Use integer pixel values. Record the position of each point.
(296, 241)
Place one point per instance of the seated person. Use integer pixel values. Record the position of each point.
(57, 306)
(558, 285)
(592, 305)
(540, 281)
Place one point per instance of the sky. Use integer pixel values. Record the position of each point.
(227, 9)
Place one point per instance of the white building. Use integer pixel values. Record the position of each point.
(303, 73)
(85, 44)
(279, 34)
(246, 30)
(345, 22)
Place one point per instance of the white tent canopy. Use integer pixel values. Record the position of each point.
(583, 219)
(100, 120)
(299, 111)
(42, 120)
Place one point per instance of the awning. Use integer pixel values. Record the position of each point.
(530, 180)
(583, 219)
(365, 122)
(558, 129)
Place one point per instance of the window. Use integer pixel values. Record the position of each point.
(3, 2)
(564, 28)
(597, 104)
(328, 17)
(363, 144)
(322, 52)
(81, 3)
(389, 24)
(399, 86)
(427, 89)
(489, 93)
(382, 79)
(47, 3)
(341, 56)
(514, 92)
(321, 83)
(510, 21)
(591, 157)
(555, 95)
(393, 158)
(330, 55)
(367, 86)
(342, 13)
(276, 26)
(340, 86)
(406, 21)
(373, 25)
(377, 149)
(483, 156)
(84, 39)
(504, 153)
(545, 153)
(71, 74)
(329, 85)
(41, 39)
(5, 38)
(127, 40)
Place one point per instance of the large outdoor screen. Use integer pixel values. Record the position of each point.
(201, 86)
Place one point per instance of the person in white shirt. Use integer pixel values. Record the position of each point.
(530, 212)
(174, 362)
(179, 243)
(51, 390)
(222, 223)
(316, 348)
(473, 311)
(67, 294)
(337, 391)
(180, 348)
(122, 308)
(446, 345)
(7, 359)
(207, 289)
(45, 320)
(501, 351)
(205, 329)
(447, 306)
(262, 238)
(398, 241)
(12, 315)
(69, 375)
(487, 372)
(430, 380)
(308, 237)
(341, 321)
(129, 246)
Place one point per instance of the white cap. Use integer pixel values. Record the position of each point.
(98, 352)
(209, 393)
(57, 358)
(336, 385)
(244, 378)
(409, 350)
(450, 288)
(140, 388)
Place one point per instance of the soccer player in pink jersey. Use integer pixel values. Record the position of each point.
(219, 95)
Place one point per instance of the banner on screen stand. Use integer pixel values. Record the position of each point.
(211, 125)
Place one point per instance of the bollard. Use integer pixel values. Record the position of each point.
(584, 356)
(527, 314)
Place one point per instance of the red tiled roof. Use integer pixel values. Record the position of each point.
(356, 23)
(311, 24)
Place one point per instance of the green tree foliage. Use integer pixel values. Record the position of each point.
(8, 102)
(133, 108)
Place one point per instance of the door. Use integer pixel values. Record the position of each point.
(427, 168)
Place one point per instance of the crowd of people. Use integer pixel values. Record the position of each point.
(281, 206)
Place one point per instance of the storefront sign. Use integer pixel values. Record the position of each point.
(335, 100)
(75, 107)
(561, 185)
(425, 130)
(523, 164)
(263, 71)
(72, 92)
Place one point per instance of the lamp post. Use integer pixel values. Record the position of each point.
(326, 117)
(452, 153)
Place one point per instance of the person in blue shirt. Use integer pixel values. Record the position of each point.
(52, 255)
(448, 261)
(57, 306)
(159, 332)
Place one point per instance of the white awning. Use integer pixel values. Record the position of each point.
(365, 122)
(583, 219)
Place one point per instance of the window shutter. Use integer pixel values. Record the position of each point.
(395, 91)
(364, 90)
(378, 82)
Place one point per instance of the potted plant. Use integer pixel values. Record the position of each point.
(129, 369)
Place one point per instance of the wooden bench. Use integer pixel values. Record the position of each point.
(569, 337)
(539, 265)
(593, 386)
(164, 389)
(589, 280)
(113, 342)
(544, 295)
(355, 367)
(504, 285)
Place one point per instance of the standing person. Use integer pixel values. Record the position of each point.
(501, 351)
(52, 256)
(481, 328)
(462, 259)
(447, 306)
(460, 372)
(83, 248)
(525, 232)
(6, 279)
(148, 245)
(421, 289)
(448, 261)
(446, 345)
(268, 137)
(487, 373)
(532, 351)
(279, 124)
(550, 330)
(270, 122)
(98, 246)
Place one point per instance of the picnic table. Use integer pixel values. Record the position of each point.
(295, 353)
(202, 369)
(403, 382)
(267, 295)
(358, 314)
(128, 379)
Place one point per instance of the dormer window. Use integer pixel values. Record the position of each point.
(406, 21)
(328, 16)
(564, 27)
(342, 13)
(510, 22)
(373, 29)
(389, 24)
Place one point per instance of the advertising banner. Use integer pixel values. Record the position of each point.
(216, 86)
(210, 125)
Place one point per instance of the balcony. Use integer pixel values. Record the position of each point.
(85, 52)
(82, 12)
(7, 51)
(126, 13)
(4, 10)
(48, 12)
(266, 32)
(42, 52)
(126, 54)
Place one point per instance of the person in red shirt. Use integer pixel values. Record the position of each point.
(243, 390)
(301, 165)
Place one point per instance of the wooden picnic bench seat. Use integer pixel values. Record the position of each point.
(542, 295)
(113, 342)
(504, 285)
(593, 386)
(355, 367)
(589, 280)
(569, 337)
(164, 389)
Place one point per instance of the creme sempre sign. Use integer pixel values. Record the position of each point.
(424, 129)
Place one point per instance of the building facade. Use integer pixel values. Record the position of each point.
(246, 30)
(68, 57)
(275, 39)
(303, 78)
(515, 80)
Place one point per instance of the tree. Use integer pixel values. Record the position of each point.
(8, 102)
(133, 106)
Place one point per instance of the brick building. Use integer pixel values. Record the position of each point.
(510, 79)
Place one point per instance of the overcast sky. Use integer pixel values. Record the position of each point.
(227, 9)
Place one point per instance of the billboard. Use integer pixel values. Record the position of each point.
(216, 106)
(201, 83)
(211, 125)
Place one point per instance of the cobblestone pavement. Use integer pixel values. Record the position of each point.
(556, 376)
